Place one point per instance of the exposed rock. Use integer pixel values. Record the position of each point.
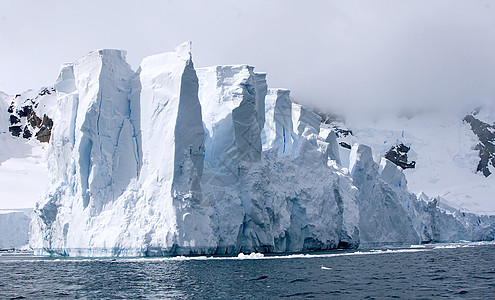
(486, 147)
(34, 120)
(341, 132)
(25, 113)
(398, 155)
(26, 134)
(15, 130)
(46, 91)
(345, 145)
(14, 120)
(43, 135)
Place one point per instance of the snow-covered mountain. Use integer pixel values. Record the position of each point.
(173, 160)
(25, 130)
(449, 154)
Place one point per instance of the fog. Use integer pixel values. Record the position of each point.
(337, 55)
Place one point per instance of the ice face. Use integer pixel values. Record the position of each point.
(233, 101)
(333, 147)
(278, 132)
(303, 117)
(170, 116)
(179, 190)
(14, 229)
(381, 217)
(172, 145)
(92, 155)
(106, 156)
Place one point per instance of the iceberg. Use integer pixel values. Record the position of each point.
(173, 160)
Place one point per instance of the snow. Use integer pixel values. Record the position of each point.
(24, 189)
(23, 174)
(250, 256)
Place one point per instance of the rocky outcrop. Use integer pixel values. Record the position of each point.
(486, 147)
(398, 155)
(28, 115)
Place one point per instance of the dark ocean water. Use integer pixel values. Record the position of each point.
(447, 270)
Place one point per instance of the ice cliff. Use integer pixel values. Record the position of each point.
(173, 160)
(14, 228)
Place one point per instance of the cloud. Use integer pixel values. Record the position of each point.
(337, 55)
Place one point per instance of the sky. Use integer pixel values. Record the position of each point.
(336, 55)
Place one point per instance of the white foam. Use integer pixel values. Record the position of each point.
(250, 256)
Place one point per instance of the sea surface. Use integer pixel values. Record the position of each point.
(464, 270)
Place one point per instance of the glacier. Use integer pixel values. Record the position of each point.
(176, 160)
